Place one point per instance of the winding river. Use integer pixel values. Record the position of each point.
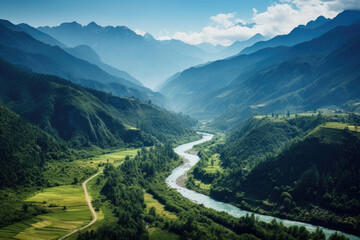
(209, 202)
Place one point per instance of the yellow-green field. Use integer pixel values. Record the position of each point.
(151, 202)
(59, 221)
(202, 185)
(213, 164)
(337, 125)
(56, 223)
(114, 158)
(159, 234)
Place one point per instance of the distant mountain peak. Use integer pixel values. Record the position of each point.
(257, 36)
(93, 25)
(72, 24)
(123, 28)
(149, 37)
(315, 23)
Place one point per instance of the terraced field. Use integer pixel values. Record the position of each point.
(66, 205)
(68, 211)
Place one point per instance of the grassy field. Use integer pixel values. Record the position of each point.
(337, 125)
(151, 202)
(115, 157)
(159, 234)
(202, 185)
(213, 164)
(59, 220)
(66, 204)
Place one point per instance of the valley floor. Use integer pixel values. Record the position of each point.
(66, 205)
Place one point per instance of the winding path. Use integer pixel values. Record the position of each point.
(93, 213)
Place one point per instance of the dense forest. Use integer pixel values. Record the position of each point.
(125, 188)
(24, 150)
(81, 117)
(304, 170)
(255, 139)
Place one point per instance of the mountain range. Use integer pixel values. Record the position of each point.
(24, 50)
(123, 48)
(294, 78)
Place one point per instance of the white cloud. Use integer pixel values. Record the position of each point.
(279, 18)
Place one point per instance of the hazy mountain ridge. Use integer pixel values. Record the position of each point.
(238, 46)
(310, 31)
(82, 51)
(121, 47)
(88, 54)
(222, 85)
(302, 84)
(25, 51)
(38, 35)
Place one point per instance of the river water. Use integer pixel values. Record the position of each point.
(221, 206)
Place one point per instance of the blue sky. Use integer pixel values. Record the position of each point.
(193, 21)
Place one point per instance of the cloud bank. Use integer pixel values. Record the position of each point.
(279, 18)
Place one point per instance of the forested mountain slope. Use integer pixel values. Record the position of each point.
(24, 150)
(82, 117)
(315, 179)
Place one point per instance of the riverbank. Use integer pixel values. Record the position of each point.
(209, 202)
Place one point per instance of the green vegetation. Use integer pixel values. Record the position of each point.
(84, 118)
(314, 180)
(255, 140)
(158, 207)
(24, 151)
(208, 168)
(53, 139)
(159, 234)
(56, 205)
(65, 208)
(301, 167)
(149, 214)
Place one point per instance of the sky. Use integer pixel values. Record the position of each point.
(192, 21)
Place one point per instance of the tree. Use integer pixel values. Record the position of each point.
(288, 113)
(25, 207)
(287, 203)
(152, 211)
(318, 234)
(337, 236)
(76, 180)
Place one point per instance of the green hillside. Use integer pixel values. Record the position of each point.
(315, 180)
(24, 150)
(82, 117)
(255, 139)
